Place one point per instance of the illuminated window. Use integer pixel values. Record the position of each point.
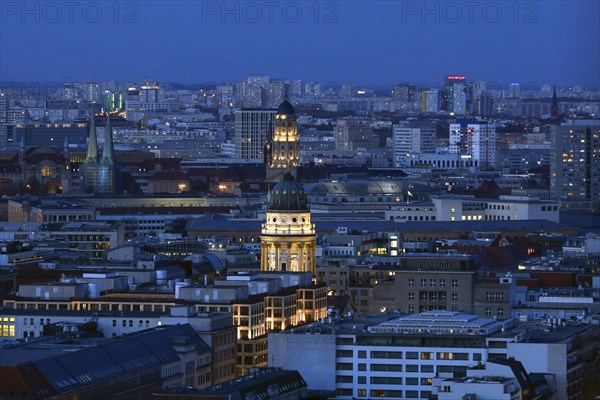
(46, 170)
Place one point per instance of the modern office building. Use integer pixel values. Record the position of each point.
(575, 168)
(430, 101)
(3, 118)
(454, 97)
(411, 138)
(394, 358)
(474, 141)
(253, 127)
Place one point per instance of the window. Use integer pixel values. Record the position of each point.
(454, 282)
(362, 379)
(500, 311)
(423, 282)
(379, 380)
(362, 354)
(361, 392)
(411, 282)
(412, 355)
(442, 282)
(426, 368)
(454, 296)
(432, 282)
(412, 368)
(411, 295)
(426, 381)
(362, 367)
(488, 311)
(343, 366)
(386, 367)
(412, 381)
(426, 356)
(387, 354)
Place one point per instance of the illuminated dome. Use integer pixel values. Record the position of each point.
(288, 195)
(286, 108)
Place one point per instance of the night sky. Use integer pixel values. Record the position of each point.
(370, 43)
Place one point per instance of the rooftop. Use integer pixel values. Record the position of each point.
(439, 322)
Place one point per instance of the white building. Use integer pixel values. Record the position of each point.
(466, 208)
(430, 101)
(411, 138)
(395, 359)
(475, 140)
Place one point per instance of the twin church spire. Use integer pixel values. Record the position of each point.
(101, 175)
(108, 152)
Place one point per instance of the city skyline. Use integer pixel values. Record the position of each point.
(376, 45)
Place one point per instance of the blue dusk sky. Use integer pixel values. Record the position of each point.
(364, 42)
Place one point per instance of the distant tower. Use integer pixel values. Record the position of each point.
(90, 164)
(66, 175)
(108, 171)
(22, 154)
(554, 110)
(288, 239)
(285, 144)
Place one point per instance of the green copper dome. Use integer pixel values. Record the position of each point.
(288, 195)
(286, 108)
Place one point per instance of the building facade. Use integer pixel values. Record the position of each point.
(282, 152)
(253, 127)
(575, 168)
(288, 238)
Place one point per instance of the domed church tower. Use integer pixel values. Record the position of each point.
(288, 239)
(284, 147)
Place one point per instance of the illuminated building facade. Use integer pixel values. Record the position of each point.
(283, 150)
(288, 240)
(474, 142)
(575, 175)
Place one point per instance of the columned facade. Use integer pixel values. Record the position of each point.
(288, 238)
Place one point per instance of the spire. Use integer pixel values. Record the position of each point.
(554, 110)
(108, 152)
(92, 151)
